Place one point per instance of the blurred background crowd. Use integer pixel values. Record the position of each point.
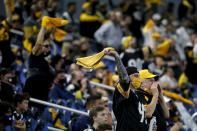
(159, 35)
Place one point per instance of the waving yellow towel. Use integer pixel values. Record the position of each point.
(156, 35)
(49, 22)
(162, 49)
(126, 41)
(59, 35)
(187, 4)
(94, 61)
(84, 17)
(148, 26)
(177, 97)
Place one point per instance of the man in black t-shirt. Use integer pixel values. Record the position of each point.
(157, 110)
(127, 107)
(135, 57)
(40, 73)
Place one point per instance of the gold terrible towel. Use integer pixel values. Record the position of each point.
(59, 34)
(93, 61)
(49, 22)
(177, 97)
(163, 48)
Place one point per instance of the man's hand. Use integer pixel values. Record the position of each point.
(154, 89)
(20, 125)
(84, 82)
(110, 52)
(160, 94)
(176, 126)
(154, 128)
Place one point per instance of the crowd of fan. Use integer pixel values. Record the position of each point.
(148, 35)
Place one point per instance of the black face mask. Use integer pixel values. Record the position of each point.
(45, 54)
(63, 82)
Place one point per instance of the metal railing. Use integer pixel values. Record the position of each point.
(54, 129)
(102, 86)
(194, 115)
(58, 106)
(185, 116)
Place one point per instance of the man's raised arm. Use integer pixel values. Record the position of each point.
(123, 75)
(37, 49)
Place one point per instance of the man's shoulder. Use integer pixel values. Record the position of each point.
(108, 24)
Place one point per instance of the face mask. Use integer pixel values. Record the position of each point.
(62, 82)
(136, 82)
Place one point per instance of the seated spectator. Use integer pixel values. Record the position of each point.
(58, 91)
(168, 80)
(76, 79)
(98, 116)
(19, 117)
(158, 65)
(21, 102)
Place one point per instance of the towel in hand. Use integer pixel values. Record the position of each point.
(94, 61)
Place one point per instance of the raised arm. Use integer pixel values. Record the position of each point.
(8, 9)
(37, 49)
(123, 75)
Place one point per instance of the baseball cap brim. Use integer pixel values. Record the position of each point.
(145, 74)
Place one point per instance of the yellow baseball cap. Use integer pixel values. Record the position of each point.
(126, 40)
(86, 5)
(145, 74)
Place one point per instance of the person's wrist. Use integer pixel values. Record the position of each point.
(116, 54)
(156, 95)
